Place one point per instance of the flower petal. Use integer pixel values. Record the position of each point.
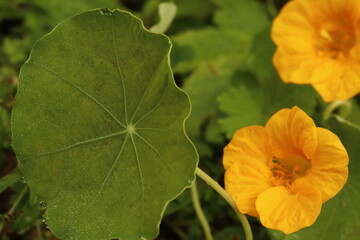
(248, 143)
(344, 84)
(244, 181)
(246, 160)
(292, 132)
(286, 211)
(318, 43)
(329, 170)
(292, 31)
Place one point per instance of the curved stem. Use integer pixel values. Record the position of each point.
(17, 201)
(199, 212)
(345, 105)
(38, 230)
(221, 191)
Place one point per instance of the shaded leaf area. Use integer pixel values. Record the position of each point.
(204, 85)
(192, 48)
(4, 127)
(246, 104)
(99, 119)
(251, 18)
(340, 216)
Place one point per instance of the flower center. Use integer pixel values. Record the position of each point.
(286, 170)
(336, 39)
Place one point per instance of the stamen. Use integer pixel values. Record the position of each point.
(326, 35)
(286, 170)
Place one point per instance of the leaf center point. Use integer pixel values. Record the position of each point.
(130, 128)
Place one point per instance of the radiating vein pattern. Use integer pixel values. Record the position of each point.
(78, 88)
(78, 144)
(119, 70)
(98, 128)
(155, 150)
(108, 174)
(141, 182)
(147, 114)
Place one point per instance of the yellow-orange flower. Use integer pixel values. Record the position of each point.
(283, 172)
(318, 43)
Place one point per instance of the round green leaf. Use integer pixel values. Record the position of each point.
(98, 127)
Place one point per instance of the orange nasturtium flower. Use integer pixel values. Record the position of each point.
(318, 43)
(283, 172)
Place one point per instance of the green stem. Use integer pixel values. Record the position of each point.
(38, 230)
(272, 8)
(199, 212)
(176, 229)
(17, 201)
(344, 111)
(221, 191)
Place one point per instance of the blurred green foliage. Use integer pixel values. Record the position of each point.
(222, 56)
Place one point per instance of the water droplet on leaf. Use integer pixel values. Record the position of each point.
(43, 205)
(106, 12)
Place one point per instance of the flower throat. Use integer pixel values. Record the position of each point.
(286, 170)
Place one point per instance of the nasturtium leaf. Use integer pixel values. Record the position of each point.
(204, 86)
(253, 103)
(9, 180)
(242, 109)
(339, 217)
(194, 47)
(98, 128)
(249, 16)
(263, 50)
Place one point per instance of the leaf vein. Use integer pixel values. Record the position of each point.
(119, 71)
(80, 89)
(111, 169)
(78, 144)
(155, 150)
(146, 114)
(141, 181)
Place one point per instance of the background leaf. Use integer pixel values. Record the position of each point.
(98, 127)
(192, 48)
(248, 15)
(203, 87)
(9, 180)
(242, 109)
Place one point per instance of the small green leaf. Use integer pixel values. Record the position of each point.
(242, 109)
(9, 180)
(98, 128)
